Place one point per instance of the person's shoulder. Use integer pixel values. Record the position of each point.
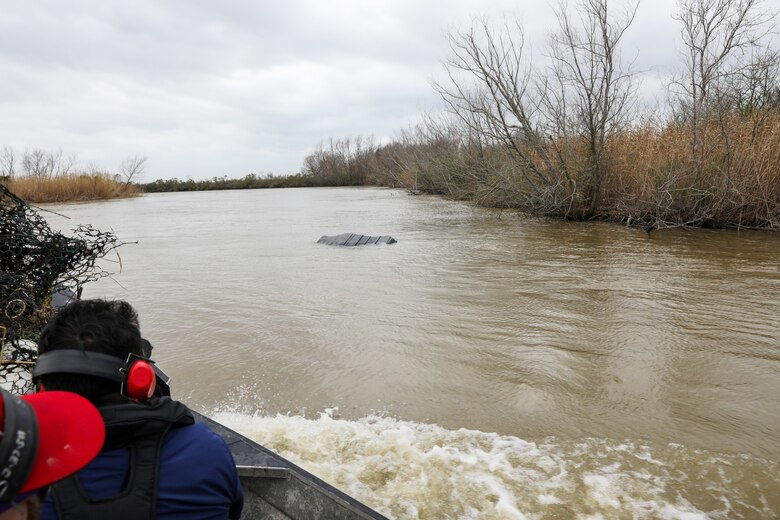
(196, 453)
(197, 438)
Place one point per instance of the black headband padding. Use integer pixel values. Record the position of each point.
(68, 361)
(18, 446)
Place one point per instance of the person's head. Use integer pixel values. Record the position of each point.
(104, 327)
(45, 437)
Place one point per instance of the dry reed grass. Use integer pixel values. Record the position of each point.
(71, 188)
(652, 177)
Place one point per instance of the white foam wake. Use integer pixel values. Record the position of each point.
(409, 470)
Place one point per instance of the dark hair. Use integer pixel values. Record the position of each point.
(107, 327)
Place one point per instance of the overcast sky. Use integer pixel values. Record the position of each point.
(205, 88)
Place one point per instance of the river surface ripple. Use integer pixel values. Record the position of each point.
(488, 365)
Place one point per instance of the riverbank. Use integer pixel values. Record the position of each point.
(648, 178)
(71, 188)
(248, 182)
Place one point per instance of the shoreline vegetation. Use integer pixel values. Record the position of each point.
(40, 176)
(75, 187)
(251, 181)
(560, 133)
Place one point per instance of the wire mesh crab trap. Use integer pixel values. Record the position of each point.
(40, 269)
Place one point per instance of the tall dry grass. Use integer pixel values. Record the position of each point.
(653, 178)
(71, 188)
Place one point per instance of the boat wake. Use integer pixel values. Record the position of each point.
(409, 470)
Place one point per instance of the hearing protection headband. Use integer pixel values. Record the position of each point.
(68, 361)
(80, 362)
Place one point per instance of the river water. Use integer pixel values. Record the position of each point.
(488, 365)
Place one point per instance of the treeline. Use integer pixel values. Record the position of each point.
(251, 181)
(563, 137)
(345, 162)
(38, 175)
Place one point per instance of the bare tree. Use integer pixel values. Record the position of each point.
(38, 163)
(754, 92)
(539, 114)
(66, 165)
(717, 35)
(132, 167)
(490, 92)
(8, 162)
(594, 89)
(345, 162)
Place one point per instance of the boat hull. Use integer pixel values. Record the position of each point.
(277, 489)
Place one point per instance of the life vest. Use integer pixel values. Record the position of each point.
(142, 428)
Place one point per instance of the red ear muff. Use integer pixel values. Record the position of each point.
(141, 381)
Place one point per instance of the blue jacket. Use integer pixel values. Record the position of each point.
(197, 477)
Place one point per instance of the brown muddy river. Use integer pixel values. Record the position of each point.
(487, 366)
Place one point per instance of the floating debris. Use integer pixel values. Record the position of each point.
(353, 239)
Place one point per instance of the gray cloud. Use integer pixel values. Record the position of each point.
(205, 88)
